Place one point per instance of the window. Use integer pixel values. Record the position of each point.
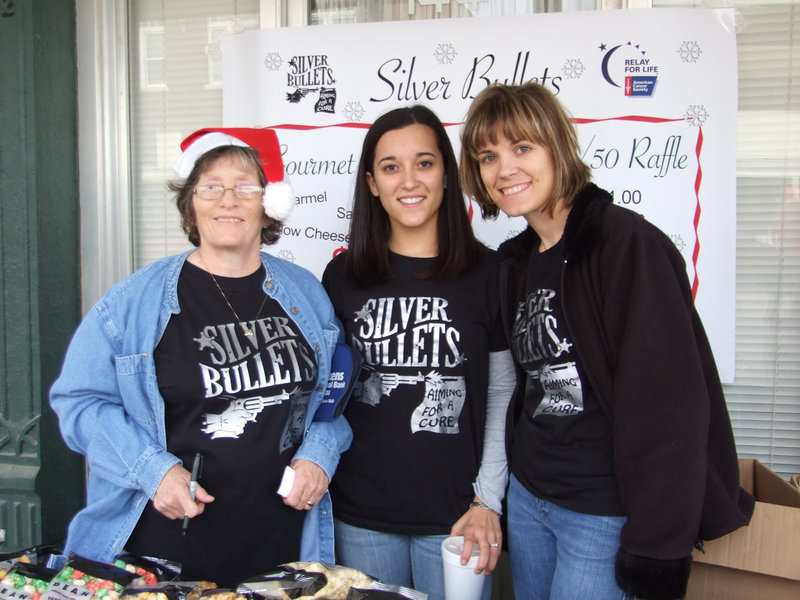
(152, 61)
(215, 30)
(764, 401)
(217, 27)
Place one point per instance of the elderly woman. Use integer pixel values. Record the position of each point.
(218, 356)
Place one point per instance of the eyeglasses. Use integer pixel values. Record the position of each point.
(215, 192)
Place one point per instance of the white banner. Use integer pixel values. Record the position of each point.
(653, 94)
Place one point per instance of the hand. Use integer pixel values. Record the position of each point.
(310, 484)
(480, 526)
(172, 497)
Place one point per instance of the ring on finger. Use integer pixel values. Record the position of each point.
(495, 545)
(309, 503)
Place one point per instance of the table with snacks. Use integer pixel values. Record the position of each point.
(43, 573)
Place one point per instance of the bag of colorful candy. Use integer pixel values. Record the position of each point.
(149, 570)
(84, 579)
(25, 581)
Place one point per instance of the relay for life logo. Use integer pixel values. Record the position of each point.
(627, 66)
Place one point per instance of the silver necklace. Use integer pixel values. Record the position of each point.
(247, 330)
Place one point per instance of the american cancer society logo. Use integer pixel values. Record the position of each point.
(311, 74)
(628, 67)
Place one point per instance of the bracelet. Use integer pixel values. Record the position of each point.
(482, 505)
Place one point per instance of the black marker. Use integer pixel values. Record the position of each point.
(198, 460)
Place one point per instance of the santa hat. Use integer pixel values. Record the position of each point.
(278, 196)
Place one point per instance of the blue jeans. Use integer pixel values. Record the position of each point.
(559, 554)
(413, 561)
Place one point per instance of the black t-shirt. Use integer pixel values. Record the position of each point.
(419, 410)
(240, 401)
(563, 449)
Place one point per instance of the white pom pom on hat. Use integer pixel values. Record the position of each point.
(278, 195)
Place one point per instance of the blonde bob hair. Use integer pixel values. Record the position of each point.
(521, 112)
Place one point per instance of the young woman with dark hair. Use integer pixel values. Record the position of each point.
(367, 260)
(416, 293)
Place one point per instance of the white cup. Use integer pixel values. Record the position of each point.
(460, 581)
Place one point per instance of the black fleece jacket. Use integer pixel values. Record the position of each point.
(630, 311)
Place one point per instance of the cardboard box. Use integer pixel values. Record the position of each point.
(761, 560)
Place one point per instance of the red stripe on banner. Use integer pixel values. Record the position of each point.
(697, 181)
(627, 118)
(298, 127)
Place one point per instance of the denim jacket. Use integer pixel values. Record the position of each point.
(110, 409)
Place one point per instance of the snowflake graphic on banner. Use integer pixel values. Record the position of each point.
(689, 52)
(677, 239)
(353, 111)
(445, 54)
(273, 61)
(573, 68)
(696, 115)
